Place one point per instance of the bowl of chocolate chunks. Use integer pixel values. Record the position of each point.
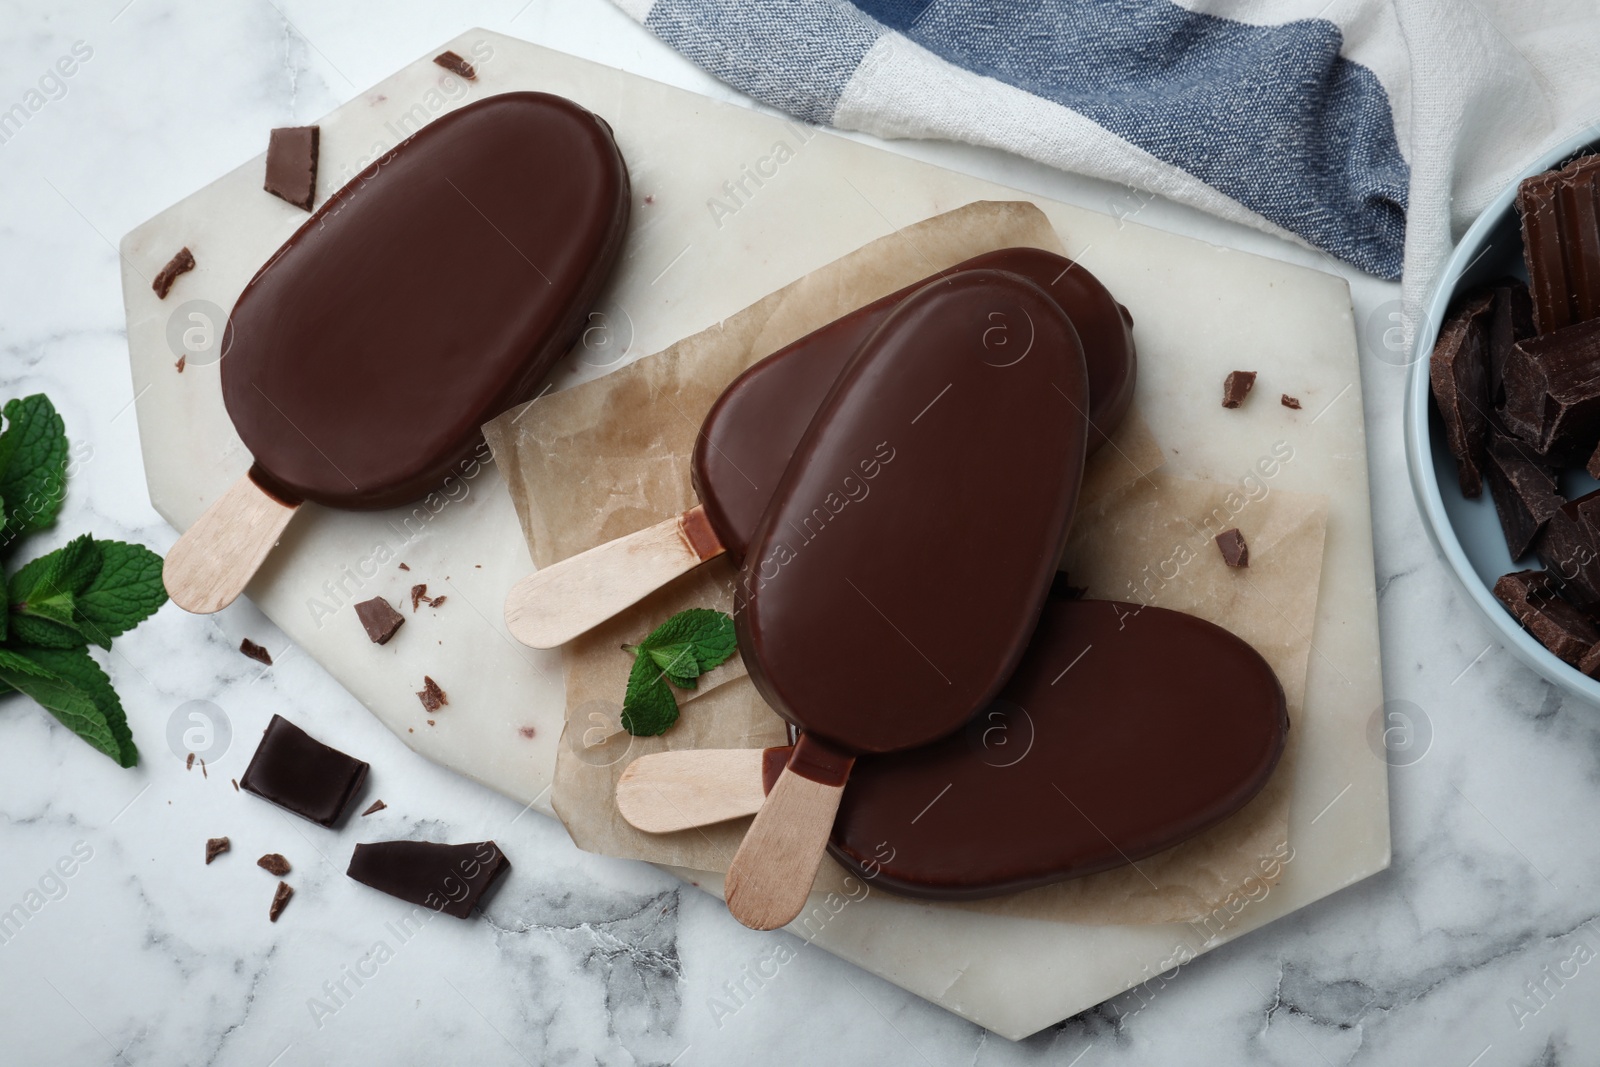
(1503, 415)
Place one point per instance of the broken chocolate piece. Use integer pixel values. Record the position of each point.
(1561, 242)
(404, 567)
(182, 263)
(1235, 553)
(1553, 393)
(377, 805)
(1511, 321)
(255, 651)
(380, 619)
(419, 593)
(456, 65)
(447, 878)
(182, 362)
(1570, 552)
(1459, 373)
(188, 764)
(292, 165)
(1236, 386)
(433, 698)
(1523, 488)
(1558, 626)
(1590, 662)
(280, 900)
(274, 863)
(215, 847)
(302, 775)
(1290, 401)
(436, 601)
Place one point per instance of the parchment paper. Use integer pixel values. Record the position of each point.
(612, 456)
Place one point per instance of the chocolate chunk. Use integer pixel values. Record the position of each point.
(1290, 401)
(1570, 552)
(1589, 663)
(1510, 321)
(255, 651)
(292, 165)
(302, 775)
(1553, 393)
(1235, 553)
(377, 805)
(280, 900)
(380, 619)
(419, 593)
(432, 697)
(456, 65)
(1523, 488)
(1459, 373)
(215, 847)
(1561, 242)
(1560, 627)
(182, 263)
(274, 863)
(447, 878)
(1236, 386)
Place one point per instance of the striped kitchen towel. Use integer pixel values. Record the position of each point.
(1336, 123)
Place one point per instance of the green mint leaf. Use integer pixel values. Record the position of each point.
(74, 689)
(5, 599)
(678, 663)
(648, 709)
(29, 631)
(126, 591)
(33, 467)
(707, 633)
(44, 588)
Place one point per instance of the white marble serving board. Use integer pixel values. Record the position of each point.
(699, 248)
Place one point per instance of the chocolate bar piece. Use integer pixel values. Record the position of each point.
(1235, 553)
(456, 65)
(1510, 321)
(1236, 386)
(380, 619)
(292, 165)
(1569, 548)
(447, 878)
(1552, 386)
(1560, 627)
(182, 263)
(1459, 373)
(1523, 488)
(1561, 243)
(302, 775)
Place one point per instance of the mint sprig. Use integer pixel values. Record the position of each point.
(87, 591)
(678, 651)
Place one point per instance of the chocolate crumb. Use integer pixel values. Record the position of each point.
(433, 698)
(182, 263)
(203, 773)
(419, 593)
(273, 863)
(456, 65)
(1236, 386)
(183, 361)
(215, 847)
(255, 651)
(235, 782)
(380, 619)
(432, 723)
(377, 805)
(527, 731)
(280, 900)
(1235, 553)
(650, 198)
(404, 567)
(188, 764)
(1291, 401)
(436, 601)
(292, 165)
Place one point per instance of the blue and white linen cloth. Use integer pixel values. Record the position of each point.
(1371, 129)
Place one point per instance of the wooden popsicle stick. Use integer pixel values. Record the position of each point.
(552, 606)
(215, 559)
(667, 791)
(772, 873)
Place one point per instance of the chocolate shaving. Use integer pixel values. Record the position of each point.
(380, 619)
(292, 165)
(377, 805)
(1236, 386)
(527, 731)
(274, 863)
(419, 593)
(188, 764)
(1558, 626)
(436, 601)
(182, 263)
(215, 847)
(456, 65)
(1235, 553)
(255, 651)
(433, 698)
(182, 362)
(235, 782)
(280, 900)
(203, 773)
(1290, 401)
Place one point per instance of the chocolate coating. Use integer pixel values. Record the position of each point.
(753, 429)
(1124, 732)
(911, 541)
(428, 295)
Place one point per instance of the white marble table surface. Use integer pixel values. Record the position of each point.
(1475, 948)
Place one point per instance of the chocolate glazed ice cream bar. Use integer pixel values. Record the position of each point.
(753, 429)
(428, 295)
(986, 432)
(1125, 731)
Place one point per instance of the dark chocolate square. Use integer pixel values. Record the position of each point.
(292, 164)
(448, 878)
(301, 774)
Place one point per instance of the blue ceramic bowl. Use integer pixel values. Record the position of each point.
(1467, 532)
